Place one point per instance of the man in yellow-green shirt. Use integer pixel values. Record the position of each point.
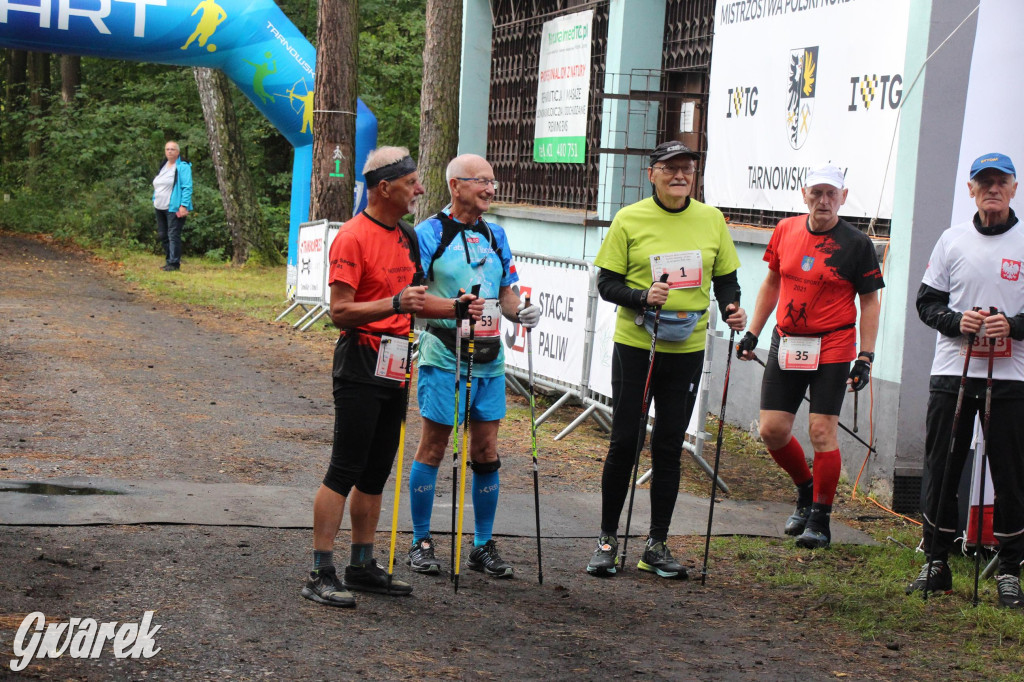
(668, 233)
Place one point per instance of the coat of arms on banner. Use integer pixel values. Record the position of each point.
(803, 67)
(807, 263)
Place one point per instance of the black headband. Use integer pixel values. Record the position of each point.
(392, 171)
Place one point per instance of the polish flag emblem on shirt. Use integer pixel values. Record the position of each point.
(1011, 269)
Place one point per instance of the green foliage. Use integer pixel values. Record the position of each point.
(391, 40)
(92, 182)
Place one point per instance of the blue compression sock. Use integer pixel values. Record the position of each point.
(485, 505)
(422, 478)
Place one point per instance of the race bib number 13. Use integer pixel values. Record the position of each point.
(685, 268)
(391, 358)
(799, 352)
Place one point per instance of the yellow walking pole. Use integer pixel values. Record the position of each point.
(401, 436)
(465, 439)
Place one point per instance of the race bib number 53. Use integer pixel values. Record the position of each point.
(799, 352)
(490, 321)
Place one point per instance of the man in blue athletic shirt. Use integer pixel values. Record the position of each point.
(458, 250)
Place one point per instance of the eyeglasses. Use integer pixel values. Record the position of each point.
(673, 171)
(481, 181)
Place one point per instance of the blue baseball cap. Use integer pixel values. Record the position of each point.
(1001, 162)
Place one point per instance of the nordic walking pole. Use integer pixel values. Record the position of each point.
(718, 455)
(455, 421)
(949, 461)
(533, 443)
(645, 408)
(855, 394)
(984, 459)
(401, 434)
(465, 436)
(841, 424)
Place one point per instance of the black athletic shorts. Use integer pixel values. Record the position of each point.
(367, 424)
(783, 390)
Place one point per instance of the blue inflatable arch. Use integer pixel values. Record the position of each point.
(253, 42)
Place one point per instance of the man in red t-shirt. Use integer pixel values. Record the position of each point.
(818, 265)
(372, 263)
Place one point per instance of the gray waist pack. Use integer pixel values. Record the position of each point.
(673, 325)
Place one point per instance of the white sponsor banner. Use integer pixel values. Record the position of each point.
(312, 261)
(601, 358)
(560, 336)
(992, 126)
(563, 89)
(332, 232)
(796, 84)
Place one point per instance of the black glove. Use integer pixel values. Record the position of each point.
(860, 375)
(747, 343)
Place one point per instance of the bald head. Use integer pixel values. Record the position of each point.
(471, 184)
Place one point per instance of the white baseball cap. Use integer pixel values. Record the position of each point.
(826, 175)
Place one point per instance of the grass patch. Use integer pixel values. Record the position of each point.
(254, 290)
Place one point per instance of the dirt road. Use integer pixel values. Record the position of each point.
(99, 380)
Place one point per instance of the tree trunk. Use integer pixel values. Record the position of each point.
(241, 210)
(70, 77)
(334, 123)
(439, 104)
(39, 88)
(14, 101)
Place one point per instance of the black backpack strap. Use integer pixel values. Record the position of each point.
(414, 244)
(450, 229)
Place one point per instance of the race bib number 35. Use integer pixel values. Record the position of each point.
(490, 321)
(685, 268)
(799, 352)
(391, 358)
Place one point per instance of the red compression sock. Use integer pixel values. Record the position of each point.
(791, 458)
(827, 466)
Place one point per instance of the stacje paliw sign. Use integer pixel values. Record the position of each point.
(563, 89)
(796, 84)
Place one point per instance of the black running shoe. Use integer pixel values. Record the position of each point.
(658, 559)
(605, 561)
(1010, 595)
(373, 578)
(421, 557)
(797, 521)
(323, 587)
(941, 579)
(487, 559)
(817, 533)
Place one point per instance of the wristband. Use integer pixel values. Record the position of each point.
(868, 354)
(396, 301)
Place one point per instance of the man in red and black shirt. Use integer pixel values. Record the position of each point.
(372, 263)
(818, 265)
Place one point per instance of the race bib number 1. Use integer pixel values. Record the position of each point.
(799, 352)
(391, 358)
(490, 321)
(685, 268)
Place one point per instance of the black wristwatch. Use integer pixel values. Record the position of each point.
(868, 354)
(396, 302)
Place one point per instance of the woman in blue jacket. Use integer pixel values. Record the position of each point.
(172, 199)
